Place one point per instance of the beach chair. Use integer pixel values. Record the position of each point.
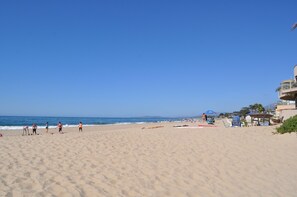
(210, 120)
(236, 121)
(248, 120)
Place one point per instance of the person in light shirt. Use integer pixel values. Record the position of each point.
(26, 130)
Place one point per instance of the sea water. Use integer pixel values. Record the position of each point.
(17, 122)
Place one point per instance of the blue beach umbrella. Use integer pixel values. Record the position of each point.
(210, 113)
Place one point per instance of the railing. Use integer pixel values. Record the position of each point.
(285, 103)
(288, 85)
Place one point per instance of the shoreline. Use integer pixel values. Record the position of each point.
(40, 121)
(20, 128)
(53, 129)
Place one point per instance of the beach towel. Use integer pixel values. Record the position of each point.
(206, 125)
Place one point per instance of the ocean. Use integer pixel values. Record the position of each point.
(17, 122)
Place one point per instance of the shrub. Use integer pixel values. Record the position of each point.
(290, 125)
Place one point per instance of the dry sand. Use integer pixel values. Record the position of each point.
(126, 160)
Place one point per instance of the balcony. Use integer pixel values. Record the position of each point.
(288, 90)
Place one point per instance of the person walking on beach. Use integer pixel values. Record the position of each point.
(34, 128)
(80, 127)
(46, 127)
(25, 130)
(60, 126)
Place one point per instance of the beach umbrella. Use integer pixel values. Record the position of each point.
(210, 113)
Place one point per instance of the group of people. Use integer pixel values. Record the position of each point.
(26, 130)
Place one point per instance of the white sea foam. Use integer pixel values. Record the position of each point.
(38, 127)
(11, 127)
(123, 123)
(139, 122)
(67, 125)
(21, 127)
(71, 125)
(127, 123)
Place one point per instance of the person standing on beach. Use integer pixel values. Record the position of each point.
(80, 127)
(26, 130)
(60, 126)
(46, 127)
(34, 128)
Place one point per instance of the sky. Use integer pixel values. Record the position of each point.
(143, 58)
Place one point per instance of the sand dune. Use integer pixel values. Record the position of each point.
(127, 160)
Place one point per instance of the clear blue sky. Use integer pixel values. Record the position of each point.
(136, 58)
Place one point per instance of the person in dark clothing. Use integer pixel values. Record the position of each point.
(60, 127)
(46, 127)
(34, 128)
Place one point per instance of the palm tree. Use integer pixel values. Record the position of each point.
(257, 107)
(244, 111)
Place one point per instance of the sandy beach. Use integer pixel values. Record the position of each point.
(127, 160)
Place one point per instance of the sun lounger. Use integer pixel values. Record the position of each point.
(236, 121)
(210, 120)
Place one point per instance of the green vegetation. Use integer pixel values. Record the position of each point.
(290, 125)
(244, 111)
(255, 108)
